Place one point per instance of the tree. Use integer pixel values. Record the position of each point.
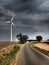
(39, 38)
(47, 39)
(19, 36)
(22, 38)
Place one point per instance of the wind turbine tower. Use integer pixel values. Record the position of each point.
(11, 24)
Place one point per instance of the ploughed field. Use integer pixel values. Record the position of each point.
(5, 44)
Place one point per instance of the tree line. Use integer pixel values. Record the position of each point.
(23, 38)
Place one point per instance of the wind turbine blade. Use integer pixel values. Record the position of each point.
(12, 18)
(13, 24)
(5, 22)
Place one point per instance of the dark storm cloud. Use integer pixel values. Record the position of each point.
(31, 16)
(30, 19)
(19, 5)
(1, 14)
(36, 22)
(23, 5)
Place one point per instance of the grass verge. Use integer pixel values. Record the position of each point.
(41, 50)
(7, 58)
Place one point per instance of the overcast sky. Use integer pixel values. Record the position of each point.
(31, 18)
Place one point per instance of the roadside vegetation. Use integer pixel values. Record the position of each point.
(46, 52)
(41, 50)
(39, 39)
(8, 54)
(6, 59)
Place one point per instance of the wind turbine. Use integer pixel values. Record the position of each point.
(11, 24)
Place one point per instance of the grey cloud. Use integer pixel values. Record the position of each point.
(33, 19)
(28, 20)
(23, 5)
(27, 17)
(1, 14)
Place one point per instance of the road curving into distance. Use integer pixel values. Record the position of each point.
(30, 56)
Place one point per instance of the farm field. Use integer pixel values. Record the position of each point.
(6, 44)
(43, 46)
